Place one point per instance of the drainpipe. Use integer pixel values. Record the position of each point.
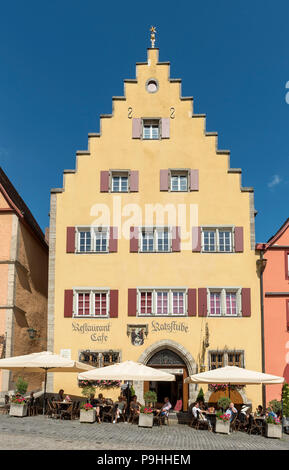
(262, 264)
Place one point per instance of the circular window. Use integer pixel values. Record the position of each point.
(152, 86)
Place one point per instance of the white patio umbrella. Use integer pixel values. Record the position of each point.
(234, 375)
(42, 361)
(127, 370)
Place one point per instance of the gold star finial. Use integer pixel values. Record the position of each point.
(153, 35)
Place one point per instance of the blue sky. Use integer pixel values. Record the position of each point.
(232, 57)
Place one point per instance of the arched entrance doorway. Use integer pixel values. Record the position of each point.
(171, 362)
(170, 356)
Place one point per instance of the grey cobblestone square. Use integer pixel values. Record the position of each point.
(42, 433)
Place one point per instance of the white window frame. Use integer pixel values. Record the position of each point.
(223, 305)
(217, 231)
(93, 231)
(91, 292)
(119, 174)
(169, 291)
(149, 123)
(178, 174)
(156, 231)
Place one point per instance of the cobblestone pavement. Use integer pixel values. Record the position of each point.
(38, 433)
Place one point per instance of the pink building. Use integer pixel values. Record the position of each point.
(276, 307)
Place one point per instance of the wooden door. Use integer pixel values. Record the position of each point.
(185, 391)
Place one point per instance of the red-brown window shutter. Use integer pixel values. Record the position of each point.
(165, 128)
(134, 236)
(239, 239)
(194, 180)
(196, 239)
(68, 303)
(132, 299)
(246, 302)
(113, 303)
(133, 182)
(113, 238)
(202, 302)
(176, 239)
(70, 239)
(192, 302)
(136, 128)
(104, 181)
(164, 180)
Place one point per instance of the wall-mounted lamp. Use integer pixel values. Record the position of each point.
(261, 263)
(32, 333)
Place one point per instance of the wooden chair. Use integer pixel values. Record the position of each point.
(68, 412)
(160, 420)
(255, 426)
(108, 412)
(122, 416)
(203, 423)
(52, 410)
(133, 416)
(76, 410)
(234, 423)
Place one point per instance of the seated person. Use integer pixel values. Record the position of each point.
(259, 411)
(232, 411)
(134, 406)
(121, 404)
(197, 413)
(96, 402)
(31, 399)
(60, 396)
(196, 410)
(164, 411)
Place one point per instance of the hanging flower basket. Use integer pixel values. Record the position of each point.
(108, 383)
(224, 387)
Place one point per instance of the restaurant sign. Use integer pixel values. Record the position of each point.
(169, 327)
(98, 333)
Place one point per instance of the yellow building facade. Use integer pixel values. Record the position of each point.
(152, 246)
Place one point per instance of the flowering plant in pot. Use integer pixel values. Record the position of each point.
(87, 413)
(86, 407)
(146, 410)
(223, 416)
(18, 406)
(222, 422)
(273, 427)
(18, 399)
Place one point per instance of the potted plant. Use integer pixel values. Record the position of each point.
(223, 422)
(150, 398)
(21, 386)
(224, 403)
(18, 406)
(146, 417)
(87, 391)
(273, 427)
(87, 413)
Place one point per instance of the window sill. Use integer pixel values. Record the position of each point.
(90, 252)
(168, 315)
(91, 316)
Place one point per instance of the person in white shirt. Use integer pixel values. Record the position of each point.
(196, 410)
(232, 411)
(164, 411)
